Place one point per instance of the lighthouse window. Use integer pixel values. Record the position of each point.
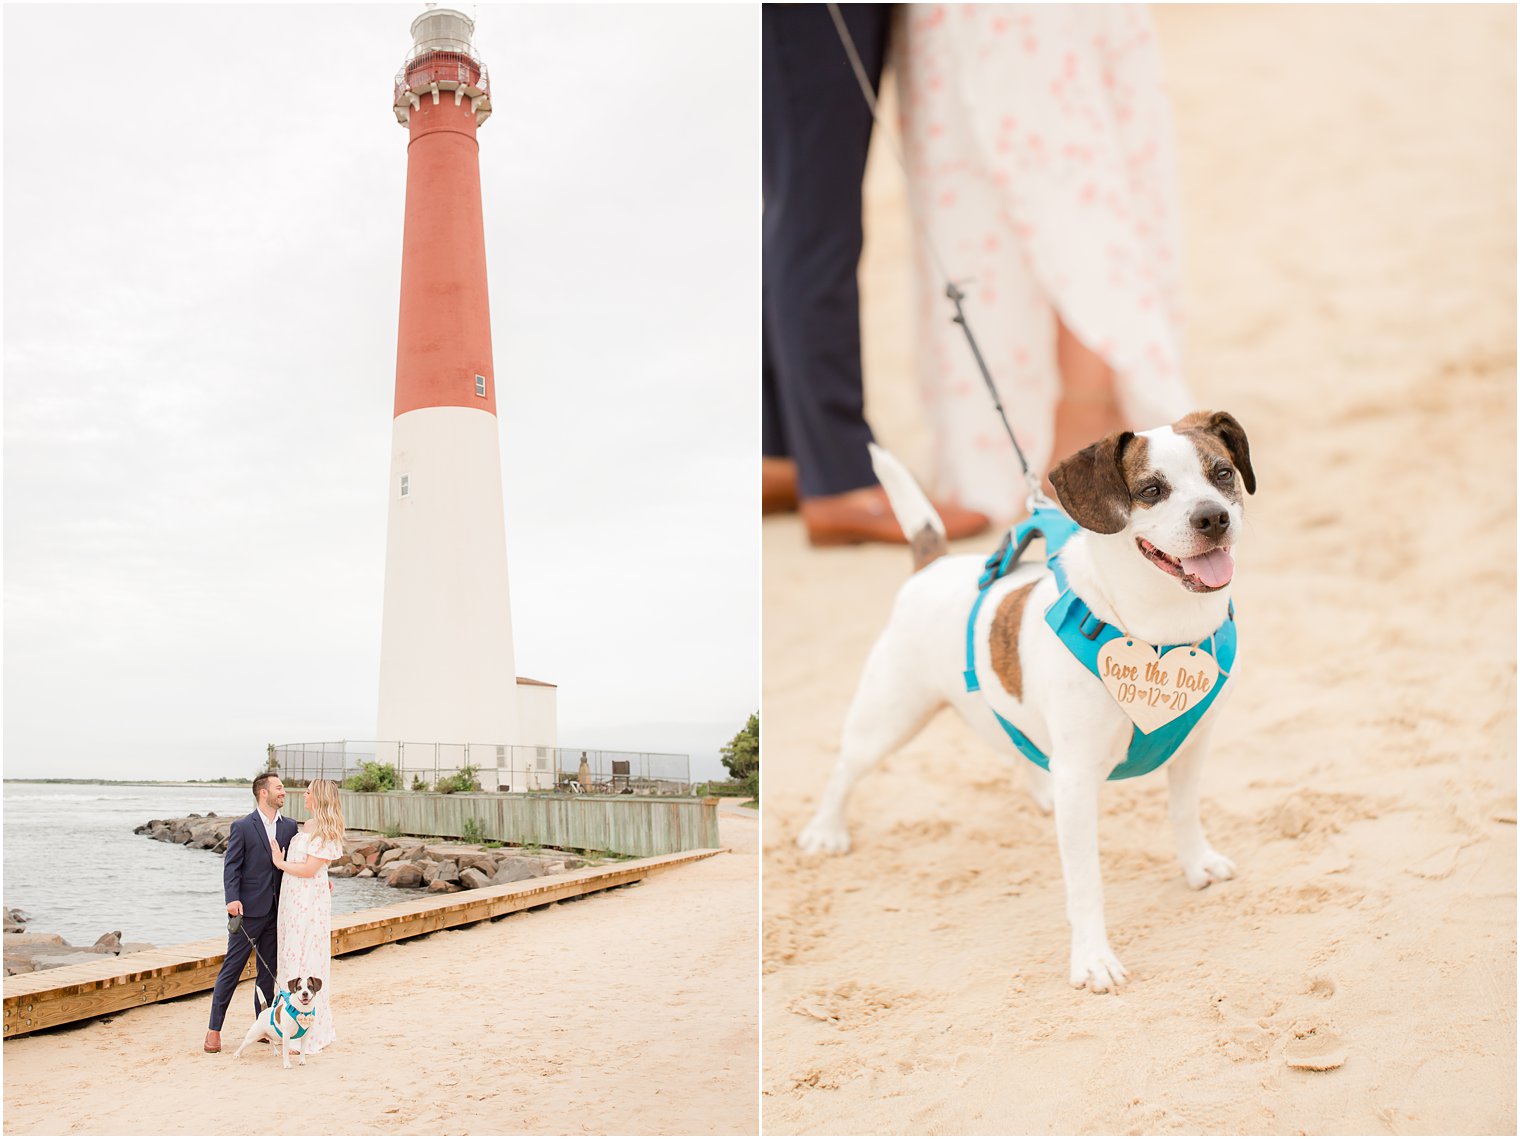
(480, 386)
(406, 485)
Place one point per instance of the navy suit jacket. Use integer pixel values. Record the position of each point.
(248, 873)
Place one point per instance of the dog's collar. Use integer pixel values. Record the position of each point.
(284, 996)
(1084, 634)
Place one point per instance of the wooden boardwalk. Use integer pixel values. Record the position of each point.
(77, 992)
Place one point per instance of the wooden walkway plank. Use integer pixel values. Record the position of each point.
(76, 992)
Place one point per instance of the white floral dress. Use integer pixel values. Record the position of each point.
(305, 935)
(1041, 157)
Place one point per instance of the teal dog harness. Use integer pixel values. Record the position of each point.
(295, 1015)
(1084, 636)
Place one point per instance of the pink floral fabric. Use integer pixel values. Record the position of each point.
(305, 935)
(1039, 144)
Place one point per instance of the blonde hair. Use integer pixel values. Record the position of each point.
(326, 810)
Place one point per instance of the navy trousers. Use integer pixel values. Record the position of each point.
(815, 131)
(265, 933)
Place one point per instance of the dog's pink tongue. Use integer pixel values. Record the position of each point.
(1214, 568)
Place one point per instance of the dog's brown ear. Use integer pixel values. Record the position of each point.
(316, 985)
(293, 984)
(1227, 429)
(1091, 487)
(1233, 435)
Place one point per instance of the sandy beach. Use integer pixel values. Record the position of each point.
(1349, 227)
(627, 1012)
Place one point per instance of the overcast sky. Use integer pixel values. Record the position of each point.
(203, 215)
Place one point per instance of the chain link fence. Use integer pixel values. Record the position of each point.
(497, 767)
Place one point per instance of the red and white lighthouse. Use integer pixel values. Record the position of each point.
(446, 662)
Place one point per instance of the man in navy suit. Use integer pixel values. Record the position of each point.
(815, 131)
(252, 887)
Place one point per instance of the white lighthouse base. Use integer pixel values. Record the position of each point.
(446, 664)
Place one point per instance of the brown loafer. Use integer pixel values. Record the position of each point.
(213, 1042)
(865, 515)
(778, 485)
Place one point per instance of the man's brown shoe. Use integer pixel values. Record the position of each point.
(778, 485)
(865, 515)
(213, 1042)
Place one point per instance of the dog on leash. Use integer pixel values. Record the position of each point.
(294, 1011)
(1150, 560)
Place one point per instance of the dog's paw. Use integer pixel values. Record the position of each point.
(1210, 868)
(1097, 970)
(823, 837)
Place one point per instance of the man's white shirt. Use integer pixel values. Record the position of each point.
(270, 824)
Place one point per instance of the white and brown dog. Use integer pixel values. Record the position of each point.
(1159, 514)
(287, 1020)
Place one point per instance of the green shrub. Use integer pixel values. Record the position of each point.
(472, 831)
(373, 776)
(462, 780)
(741, 755)
(419, 783)
(391, 830)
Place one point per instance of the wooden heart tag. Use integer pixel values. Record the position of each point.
(1154, 692)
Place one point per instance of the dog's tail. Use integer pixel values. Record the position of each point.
(260, 1001)
(916, 515)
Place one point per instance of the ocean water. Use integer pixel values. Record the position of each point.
(73, 863)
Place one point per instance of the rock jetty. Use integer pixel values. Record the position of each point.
(195, 831)
(409, 863)
(29, 952)
(404, 863)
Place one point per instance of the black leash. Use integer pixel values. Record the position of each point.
(235, 925)
(1037, 497)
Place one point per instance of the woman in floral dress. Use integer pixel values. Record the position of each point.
(1043, 166)
(305, 923)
